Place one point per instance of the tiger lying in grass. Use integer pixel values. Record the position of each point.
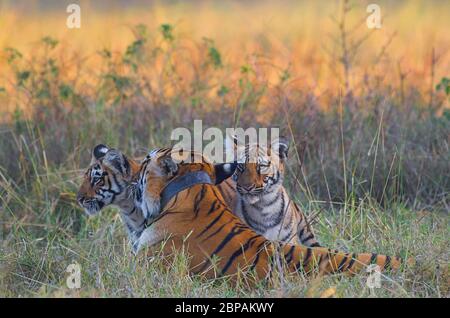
(189, 212)
(108, 176)
(257, 196)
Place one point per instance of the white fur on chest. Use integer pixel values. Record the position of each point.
(261, 207)
(264, 210)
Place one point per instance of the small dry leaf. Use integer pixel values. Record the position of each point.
(328, 293)
(314, 285)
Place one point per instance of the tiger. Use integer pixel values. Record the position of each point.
(189, 213)
(257, 195)
(106, 182)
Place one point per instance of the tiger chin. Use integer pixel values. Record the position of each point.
(194, 217)
(258, 197)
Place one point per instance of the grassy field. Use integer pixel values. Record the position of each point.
(367, 113)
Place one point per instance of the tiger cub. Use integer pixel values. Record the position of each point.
(257, 195)
(107, 182)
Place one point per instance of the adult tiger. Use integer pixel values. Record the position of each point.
(106, 182)
(257, 196)
(189, 212)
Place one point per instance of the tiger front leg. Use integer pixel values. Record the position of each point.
(152, 235)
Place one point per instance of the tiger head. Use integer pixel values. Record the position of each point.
(260, 169)
(107, 180)
(161, 166)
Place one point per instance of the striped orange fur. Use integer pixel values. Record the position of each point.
(199, 220)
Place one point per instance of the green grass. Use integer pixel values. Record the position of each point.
(43, 230)
(34, 258)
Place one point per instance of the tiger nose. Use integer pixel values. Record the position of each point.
(248, 187)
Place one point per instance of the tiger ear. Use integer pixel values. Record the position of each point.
(223, 171)
(281, 147)
(117, 162)
(169, 166)
(99, 152)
